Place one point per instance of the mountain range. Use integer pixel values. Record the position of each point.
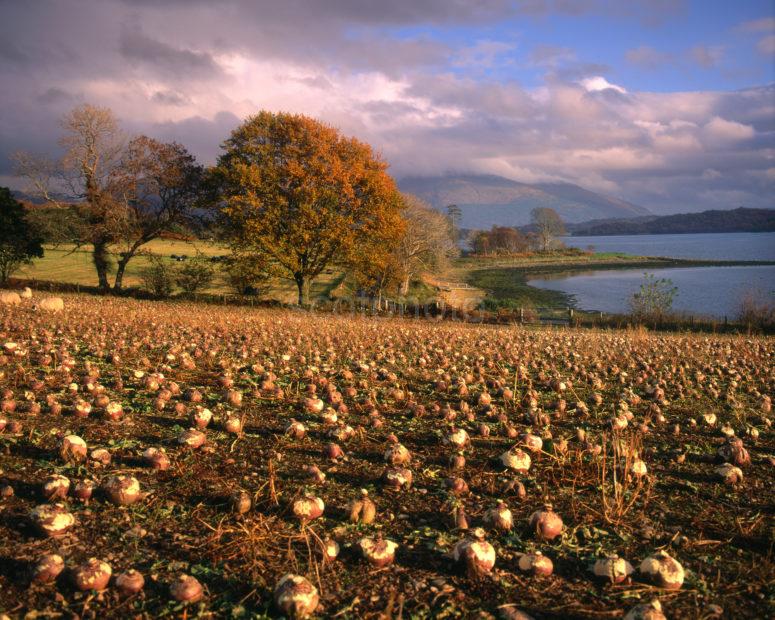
(712, 221)
(487, 200)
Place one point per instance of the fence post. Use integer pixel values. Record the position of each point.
(570, 315)
(521, 315)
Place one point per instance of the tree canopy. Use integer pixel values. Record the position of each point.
(19, 243)
(427, 242)
(654, 299)
(161, 183)
(548, 225)
(499, 240)
(117, 192)
(297, 193)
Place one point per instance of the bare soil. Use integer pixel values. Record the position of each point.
(406, 375)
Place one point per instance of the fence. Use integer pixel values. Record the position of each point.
(450, 286)
(438, 310)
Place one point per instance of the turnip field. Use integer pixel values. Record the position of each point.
(169, 459)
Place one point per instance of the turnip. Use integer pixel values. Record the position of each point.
(93, 574)
(546, 523)
(475, 554)
(295, 597)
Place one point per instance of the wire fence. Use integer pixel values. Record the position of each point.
(468, 312)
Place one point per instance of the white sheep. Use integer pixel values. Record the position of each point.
(10, 298)
(53, 304)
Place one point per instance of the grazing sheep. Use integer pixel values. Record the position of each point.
(10, 298)
(26, 293)
(54, 304)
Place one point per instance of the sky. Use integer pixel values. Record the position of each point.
(669, 104)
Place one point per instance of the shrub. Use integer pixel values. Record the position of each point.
(194, 275)
(246, 275)
(19, 243)
(756, 310)
(159, 278)
(654, 299)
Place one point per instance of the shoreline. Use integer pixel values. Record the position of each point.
(655, 234)
(506, 286)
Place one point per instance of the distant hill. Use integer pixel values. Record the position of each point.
(487, 200)
(734, 220)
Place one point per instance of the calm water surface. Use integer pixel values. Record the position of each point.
(708, 291)
(719, 246)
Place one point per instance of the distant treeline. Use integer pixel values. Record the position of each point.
(736, 220)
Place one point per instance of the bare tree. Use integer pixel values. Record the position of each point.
(454, 217)
(126, 193)
(480, 242)
(548, 225)
(427, 242)
(94, 145)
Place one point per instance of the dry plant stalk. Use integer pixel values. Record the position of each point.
(613, 471)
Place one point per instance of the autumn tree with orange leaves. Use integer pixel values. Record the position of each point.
(301, 196)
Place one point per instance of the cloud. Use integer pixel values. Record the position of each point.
(374, 12)
(10, 52)
(551, 55)
(766, 45)
(161, 57)
(764, 24)
(707, 56)
(599, 83)
(382, 72)
(483, 53)
(170, 97)
(719, 131)
(54, 95)
(647, 57)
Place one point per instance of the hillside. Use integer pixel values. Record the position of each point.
(487, 200)
(713, 221)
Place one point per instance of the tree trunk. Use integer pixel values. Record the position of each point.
(101, 261)
(120, 269)
(405, 286)
(6, 268)
(302, 283)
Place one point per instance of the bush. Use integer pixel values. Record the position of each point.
(757, 311)
(246, 275)
(19, 243)
(654, 299)
(194, 275)
(159, 277)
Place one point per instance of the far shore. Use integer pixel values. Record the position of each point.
(503, 281)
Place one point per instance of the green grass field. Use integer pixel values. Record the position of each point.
(74, 266)
(499, 282)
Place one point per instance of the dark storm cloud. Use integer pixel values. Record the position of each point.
(200, 135)
(10, 52)
(170, 97)
(136, 46)
(365, 12)
(54, 95)
(190, 70)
